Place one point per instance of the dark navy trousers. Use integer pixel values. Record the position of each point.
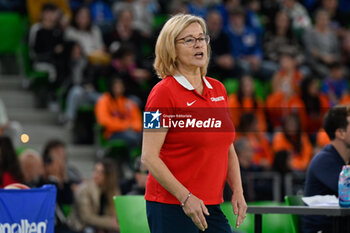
(167, 218)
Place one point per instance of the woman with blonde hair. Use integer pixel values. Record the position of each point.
(94, 208)
(189, 156)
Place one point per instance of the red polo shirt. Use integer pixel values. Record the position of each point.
(196, 155)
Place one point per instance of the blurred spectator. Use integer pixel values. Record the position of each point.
(298, 14)
(34, 7)
(56, 172)
(315, 106)
(224, 9)
(335, 86)
(32, 167)
(258, 141)
(345, 49)
(141, 174)
(101, 15)
(285, 89)
(222, 62)
(123, 34)
(321, 44)
(279, 37)
(246, 46)
(119, 116)
(88, 36)
(142, 12)
(322, 140)
(10, 170)
(294, 140)
(245, 43)
(93, 210)
(337, 20)
(246, 101)
(134, 76)
(50, 53)
(12, 129)
(252, 17)
(254, 189)
(198, 8)
(287, 80)
(84, 92)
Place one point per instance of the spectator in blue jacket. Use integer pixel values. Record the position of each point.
(246, 45)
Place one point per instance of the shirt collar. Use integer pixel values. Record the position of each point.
(186, 84)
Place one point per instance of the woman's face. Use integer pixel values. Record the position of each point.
(322, 19)
(313, 88)
(83, 19)
(118, 88)
(287, 62)
(282, 21)
(292, 125)
(98, 175)
(195, 56)
(247, 86)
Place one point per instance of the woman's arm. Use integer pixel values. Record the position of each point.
(234, 180)
(194, 207)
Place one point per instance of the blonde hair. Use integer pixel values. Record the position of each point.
(165, 61)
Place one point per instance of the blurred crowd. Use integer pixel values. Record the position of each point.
(283, 62)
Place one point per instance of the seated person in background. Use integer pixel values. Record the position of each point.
(335, 86)
(32, 167)
(124, 33)
(222, 62)
(254, 189)
(245, 46)
(315, 105)
(10, 170)
(322, 140)
(119, 116)
(141, 174)
(323, 172)
(257, 139)
(288, 78)
(280, 36)
(94, 207)
(124, 63)
(294, 140)
(88, 36)
(56, 172)
(246, 101)
(48, 48)
(321, 45)
(12, 129)
(285, 87)
(298, 14)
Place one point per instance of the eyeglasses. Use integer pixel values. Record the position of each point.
(190, 41)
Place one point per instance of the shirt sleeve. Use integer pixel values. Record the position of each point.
(160, 99)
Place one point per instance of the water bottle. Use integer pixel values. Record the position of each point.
(344, 187)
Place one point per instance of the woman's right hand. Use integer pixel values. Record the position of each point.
(195, 209)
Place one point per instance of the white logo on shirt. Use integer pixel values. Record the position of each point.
(217, 99)
(189, 104)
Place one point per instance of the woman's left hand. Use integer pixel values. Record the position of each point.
(239, 207)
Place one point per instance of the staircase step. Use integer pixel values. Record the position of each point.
(32, 116)
(10, 83)
(40, 133)
(17, 99)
